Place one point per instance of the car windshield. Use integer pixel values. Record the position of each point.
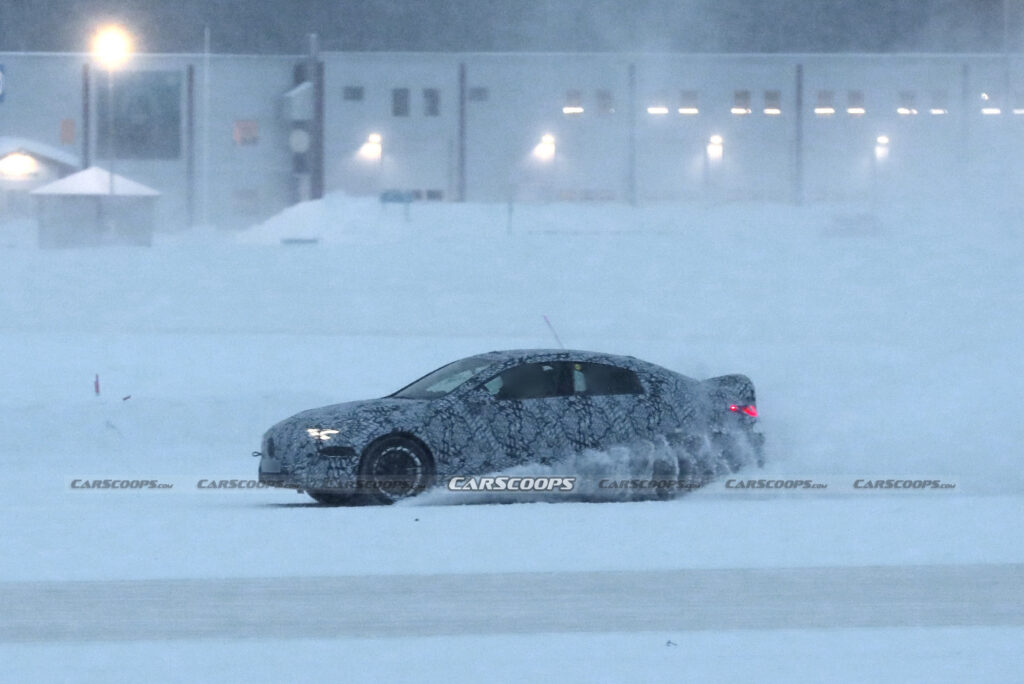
(444, 379)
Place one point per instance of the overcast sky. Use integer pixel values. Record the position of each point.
(280, 26)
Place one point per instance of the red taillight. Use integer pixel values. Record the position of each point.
(750, 409)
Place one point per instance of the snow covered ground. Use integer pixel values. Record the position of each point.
(883, 345)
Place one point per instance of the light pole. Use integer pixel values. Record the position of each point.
(111, 46)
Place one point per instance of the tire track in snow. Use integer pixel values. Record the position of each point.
(425, 605)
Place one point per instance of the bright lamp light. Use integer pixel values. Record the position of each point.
(18, 165)
(715, 148)
(545, 149)
(112, 46)
(882, 147)
(372, 149)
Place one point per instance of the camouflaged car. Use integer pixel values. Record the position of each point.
(495, 411)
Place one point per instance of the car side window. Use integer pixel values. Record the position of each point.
(595, 379)
(531, 381)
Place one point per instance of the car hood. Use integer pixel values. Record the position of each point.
(357, 422)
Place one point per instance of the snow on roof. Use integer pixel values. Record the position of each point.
(11, 144)
(95, 181)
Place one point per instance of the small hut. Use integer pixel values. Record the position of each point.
(95, 207)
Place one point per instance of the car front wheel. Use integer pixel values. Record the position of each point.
(330, 498)
(395, 468)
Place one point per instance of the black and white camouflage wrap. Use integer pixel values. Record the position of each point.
(470, 432)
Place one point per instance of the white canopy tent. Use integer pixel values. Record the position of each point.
(94, 207)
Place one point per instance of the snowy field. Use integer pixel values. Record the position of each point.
(884, 345)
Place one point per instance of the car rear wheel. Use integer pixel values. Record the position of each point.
(395, 468)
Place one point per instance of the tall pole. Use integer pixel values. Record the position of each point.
(460, 148)
(111, 46)
(86, 123)
(798, 138)
(190, 143)
(110, 125)
(316, 146)
(1006, 27)
(205, 195)
(631, 152)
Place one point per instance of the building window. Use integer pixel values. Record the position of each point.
(740, 102)
(605, 102)
(478, 94)
(400, 102)
(772, 102)
(573, 102)
(352, 93)
(688, 103)
(855, 102)
(908, 106)
(431, 102)
(825, 105)
(67, 131)
(940, 103)
(247, 132)
(146, 119)
(435, 195)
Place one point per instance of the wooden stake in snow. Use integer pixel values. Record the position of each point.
(96, 385)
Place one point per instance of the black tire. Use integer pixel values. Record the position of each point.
(331, 498)
(395, 468)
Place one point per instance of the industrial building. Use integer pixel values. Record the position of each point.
(229, 140)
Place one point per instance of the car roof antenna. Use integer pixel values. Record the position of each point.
(552, 329)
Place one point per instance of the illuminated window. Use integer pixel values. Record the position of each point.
(246, 132)
(825, 104)
(400, 102)
(772, 102)
(855, 102)
(989, 106)
(740, 102)
(939, 103)
(1018, 103)
(352, 93)
(908, 103)
(688, 103)
(573, 102)
(478, 94)
(658, 105)
(431, 102)
(605, 102)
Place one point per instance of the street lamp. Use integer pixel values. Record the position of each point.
(111, 46)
